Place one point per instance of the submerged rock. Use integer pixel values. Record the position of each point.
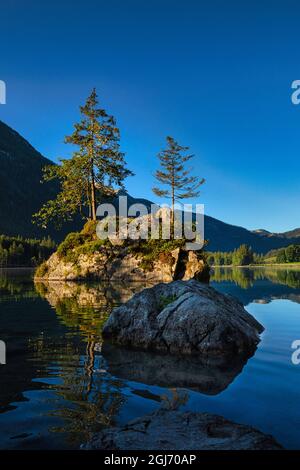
(186, 317)
(182, 430)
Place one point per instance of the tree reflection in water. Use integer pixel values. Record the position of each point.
(246, 277)
(93, 378)
(92, 397)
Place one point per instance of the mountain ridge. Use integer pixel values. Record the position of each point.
(21, 191)
(223, 236)
(22, 194)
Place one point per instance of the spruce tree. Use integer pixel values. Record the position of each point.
(176, 176)
(95, 169)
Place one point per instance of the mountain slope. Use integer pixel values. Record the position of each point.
(290, 234)
(21, 191)
(226, 237)
(22, 194)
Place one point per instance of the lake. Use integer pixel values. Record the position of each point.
(61, 383)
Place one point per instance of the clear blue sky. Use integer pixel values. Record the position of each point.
(216, 75)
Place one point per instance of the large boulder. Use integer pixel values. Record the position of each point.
(182, 430)
(186, 317)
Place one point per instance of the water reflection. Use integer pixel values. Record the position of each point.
(86, 307)
(16, 284)
(62, 383)
(206, 376)
(261, 284)
(246, 277)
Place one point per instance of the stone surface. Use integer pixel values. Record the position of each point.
(185, 317)
(116, 263)
(182, 430)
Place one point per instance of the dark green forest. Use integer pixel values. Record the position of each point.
(291, 254)
(19, 251)
(244, 256)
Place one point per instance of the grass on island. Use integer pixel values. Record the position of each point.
(87, 243)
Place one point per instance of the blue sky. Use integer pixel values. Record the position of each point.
(215, 75)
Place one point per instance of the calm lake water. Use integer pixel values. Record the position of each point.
(61, 383)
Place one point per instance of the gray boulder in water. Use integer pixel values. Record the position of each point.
(182, 430)
(186, 317)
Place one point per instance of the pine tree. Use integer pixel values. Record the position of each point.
(94, 170)
(243, 256)
(175, 175)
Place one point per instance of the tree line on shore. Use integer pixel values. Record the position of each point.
(244, 256)
(19, 251)
(290, 254)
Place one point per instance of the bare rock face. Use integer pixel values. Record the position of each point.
(186, 317)
(117, 263)
(178, 430)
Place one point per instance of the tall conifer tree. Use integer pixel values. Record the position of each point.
(93, 171)
(176, 176)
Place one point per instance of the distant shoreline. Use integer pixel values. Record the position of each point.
(269, 265)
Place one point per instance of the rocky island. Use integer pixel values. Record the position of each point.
(177, 333)
(82, 256)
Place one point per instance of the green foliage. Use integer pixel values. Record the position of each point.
(164, 301)
(150, 250)
(174, 173)
(42, 270)
(89, 229)
(291, 254)
(73, 240)
(242, 256)
(91, 173)
(21, 189)
(219, 258)
(84, 242)
(281, 258)
(92, 247)
(19, 251)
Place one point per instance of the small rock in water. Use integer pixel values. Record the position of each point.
(182, 430)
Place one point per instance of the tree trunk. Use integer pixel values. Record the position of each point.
(93, 189)
(172, 210)
(93, 196)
